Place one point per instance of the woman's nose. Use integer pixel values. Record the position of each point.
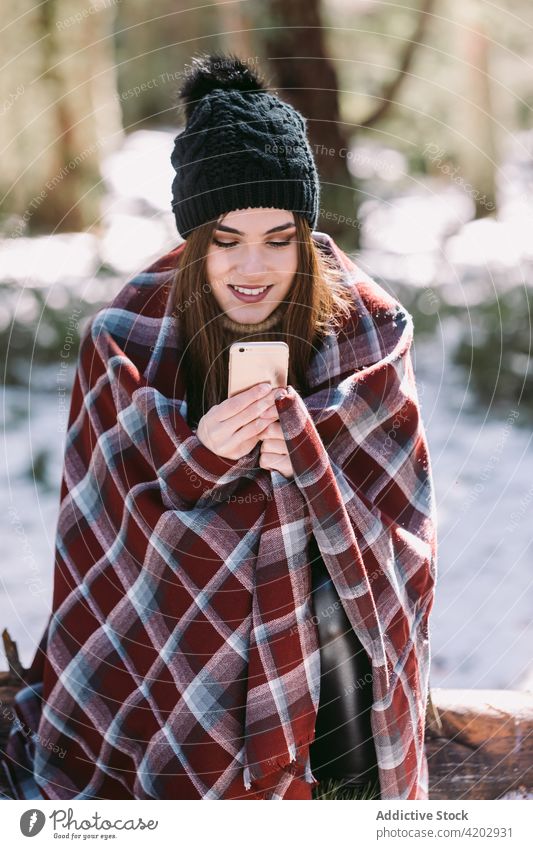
(251, 262)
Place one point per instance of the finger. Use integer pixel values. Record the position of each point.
(262, 407)
(239, 402)
(272, 431)
(249, 435)
(245, 426)
(273, 462)
(274, 446)
(268, 460)
(230, 437)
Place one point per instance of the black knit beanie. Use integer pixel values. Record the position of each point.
(241, 147)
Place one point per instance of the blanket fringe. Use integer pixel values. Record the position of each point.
(289, 762)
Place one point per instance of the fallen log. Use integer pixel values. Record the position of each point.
(8, 688)
(11, 652)
(10, 682)
(483, 748)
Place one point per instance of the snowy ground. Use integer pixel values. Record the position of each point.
(481, 627)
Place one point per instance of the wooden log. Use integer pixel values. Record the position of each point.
(10, 682)
(12, 656)
(484, 746)
(8, 688)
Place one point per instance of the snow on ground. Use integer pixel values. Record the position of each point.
(481, 628)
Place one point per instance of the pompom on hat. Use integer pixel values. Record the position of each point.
(241, 147)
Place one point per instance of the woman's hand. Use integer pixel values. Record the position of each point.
(232, 428)
(274, 453)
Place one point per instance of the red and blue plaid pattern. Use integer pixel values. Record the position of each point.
(182, 658)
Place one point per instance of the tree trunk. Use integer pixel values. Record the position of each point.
(236, 30)
(293, 40)
(391, 89)
(478, 149)
(61, 63)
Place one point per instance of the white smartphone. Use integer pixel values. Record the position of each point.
(257, 362)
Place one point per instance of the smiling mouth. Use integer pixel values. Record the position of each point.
(250, 290)
(250, 294)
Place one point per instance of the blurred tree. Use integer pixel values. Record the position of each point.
(60, 62)
(294, 39)
(151, 52)
(236, 29)
(391, 88)
(478, 142)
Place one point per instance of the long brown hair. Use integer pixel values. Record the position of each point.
(317, 300)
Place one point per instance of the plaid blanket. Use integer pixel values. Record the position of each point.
(182, 657)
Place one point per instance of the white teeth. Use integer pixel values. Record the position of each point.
(250, 291)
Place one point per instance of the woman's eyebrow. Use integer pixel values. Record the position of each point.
(272, 230)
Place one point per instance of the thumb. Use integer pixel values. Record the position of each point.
(284, 392)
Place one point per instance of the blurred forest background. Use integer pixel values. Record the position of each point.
(419, 116)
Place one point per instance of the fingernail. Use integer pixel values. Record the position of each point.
(281, 393)
(265, 387)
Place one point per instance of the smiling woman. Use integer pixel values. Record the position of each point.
(256, 266)
(183, 657)
(305, 298)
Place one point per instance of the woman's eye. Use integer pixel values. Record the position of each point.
(231, 244)
(223, 244)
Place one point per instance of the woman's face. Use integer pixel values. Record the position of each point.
(251, 249)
